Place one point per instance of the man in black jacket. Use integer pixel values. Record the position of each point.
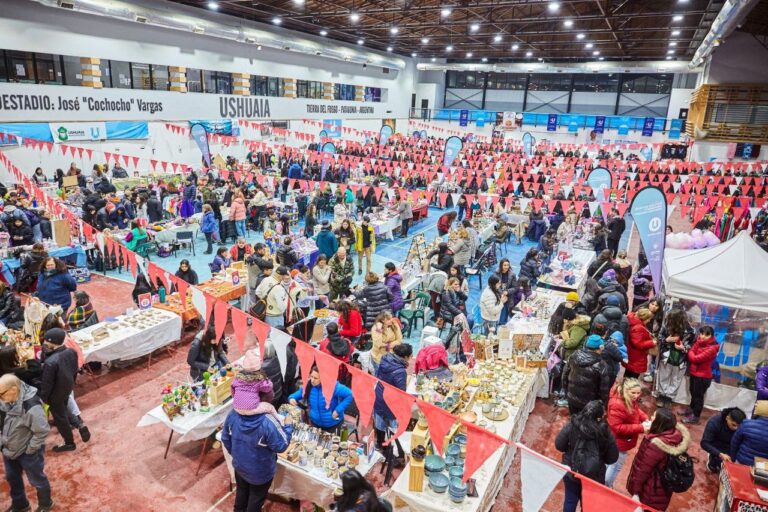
(154, 208)
(616, 227)
(586, 376)
(59, 372)
(717, 436)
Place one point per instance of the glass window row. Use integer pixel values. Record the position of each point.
(577, 82)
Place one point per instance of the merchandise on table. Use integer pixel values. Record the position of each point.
(25, 345)
(567, 269)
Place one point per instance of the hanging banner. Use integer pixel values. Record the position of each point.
(573, 124)
(600, 179)
(599, 124)
(508, 121)
(329, 147)
(464, 118)
(648, 126)
(552, 123)
(384, 134)
(217, 127)
(423, 134)
(201, 138)
(623, 126)
(528, 142)
(649, 211)
(323, 134)
(675, 127)
(69, 132)
(332, 127)
(480, 119)
(453, 146)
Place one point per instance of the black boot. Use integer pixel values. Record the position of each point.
(66, 447)
(44, 501)
(85, 434)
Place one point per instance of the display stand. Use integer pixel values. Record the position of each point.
(416, 263)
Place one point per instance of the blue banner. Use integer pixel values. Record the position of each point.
(219, 127)
(573, 124)
(200, 135)
(528, 142)
(599, 124)
(464, 118)
(623, 126)
(329, 147)
(416, 134)
(552, 123)
(600, 179)
(453, 146)
(384, 134)
(648, 126)
(323, 134)
(675, 126)
(649, 211)
(127, 130)
(423, 134)
(746, 152)
(647, 153)
(480, 119)
(332, 127)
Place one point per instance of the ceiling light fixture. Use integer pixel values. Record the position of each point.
(678, 17)
(213, 5)
(298, 2)
(601, 58)
(541, 59)
(529, 54)
(323, 32)
(469, 55)
(675, 32)
(515, 47)
(360, 41)
(445, 12)
(394, 30)
(485, 59)
(433, 59)
(354, 17)
(553, 6)
(497, 38)
(568, 23)
(413, 55)
(449, 48)
(588, 46)
(596, 53)
(580, 36)
(474, 27)
(670, 52)
(424, 40)
(669, 57)
(389, 48)
(277, 20)
(258, 48)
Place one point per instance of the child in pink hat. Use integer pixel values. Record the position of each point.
(251, 388)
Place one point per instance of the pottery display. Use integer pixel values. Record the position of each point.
(434, 464)
(438, 482)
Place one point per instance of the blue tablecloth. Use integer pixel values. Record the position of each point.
(77, 253)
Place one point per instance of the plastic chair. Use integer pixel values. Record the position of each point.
(142, 248)
(477, 270)
(412, 315)
(185, 238)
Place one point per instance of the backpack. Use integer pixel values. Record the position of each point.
(678, 475)
(259, 308)
(585, 455)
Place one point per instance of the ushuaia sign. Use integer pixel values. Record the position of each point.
(241, 107)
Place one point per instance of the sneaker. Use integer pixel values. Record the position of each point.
(65, 448)
(11, 509)
(691, 420)
(648, 378)
(45, 508)
(85, 434)
(561, 402)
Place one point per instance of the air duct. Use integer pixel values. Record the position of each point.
(728, 19)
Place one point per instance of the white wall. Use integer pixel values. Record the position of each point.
(28, 26)
(594, 103)
(679, 98)
(705, 151)
(429, 92)
(740, 59)
(504, 100)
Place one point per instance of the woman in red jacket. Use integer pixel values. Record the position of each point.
(350, 321)
(640, 342)
(702, 354)
(666, 437)
(627, 422)
(444, 223)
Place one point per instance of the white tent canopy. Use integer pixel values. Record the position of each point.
(734, 274)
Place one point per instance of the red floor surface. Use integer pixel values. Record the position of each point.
(122, 467)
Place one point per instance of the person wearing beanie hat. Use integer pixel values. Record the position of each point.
(251, 388)
(572, 297)
(586, 376)
(751, 438)
(612, 317)
(59, 371)
(639, 343)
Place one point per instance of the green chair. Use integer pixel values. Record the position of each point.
(411, 315)
(142, 248)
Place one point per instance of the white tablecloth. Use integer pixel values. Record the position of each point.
(487, 232)
(387, 227)
(193, 425)
(130, 342)
(489, 477)
(168, 236)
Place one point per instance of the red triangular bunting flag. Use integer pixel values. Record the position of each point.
(440, 422)
(480, 445)
(400, 403)
(261, 330)
(220, 318)
(240, 326)
(210, 300)
(364, 391)
(306, 356)
(596, 497)
(328, 366)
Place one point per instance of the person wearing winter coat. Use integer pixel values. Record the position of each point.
(12, 312)
(717, 436)
(751, 438)
(612, 317)
(405, 211)
(492, 301)
(602, 264)
(639, 343)
(335, 345)
(462, 248)
(444, 223)
(675, 339)
(365, 244)
(701, 356)
(393, 370)
(209, 226)
(20, 233)
(665, 437)
(627, 422)
(205, 352)
(326, 240)
(237, 214)
(55, 284)
(386, 335)
(22, 439)
(271, 367)
(444, 258)
(350, 321)
(326, 416)
(588, 446)
(31, 264)
(285, 254)
(273, 289)
(616, 227)
(761, 380)
(575, 329)
(586, 376)
(610, 287)
(254, 442)
(394, 281)
(119, 218)
(342, 272)
(530, 266)
(154, 209)
(452, 300)
(59, 372)
(377, 297)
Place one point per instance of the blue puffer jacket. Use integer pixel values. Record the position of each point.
(294, 171)
(319, 414)
(750, 441)
(326, 242)
(209, 223)
(392, 370)
(56, 289)
(254, 442)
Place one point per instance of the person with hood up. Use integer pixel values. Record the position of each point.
(586, 376)
(612, 317)
(575, 329)
(610, 287)
(394, 280)
(665, 437)
(701, 356)
(22, 439)
(119, 218)
(718, 434)
(326, 240)
(105, 187)
(588, 446)
(751, 438)
(639, 343)
(627, 422)
(393, 370)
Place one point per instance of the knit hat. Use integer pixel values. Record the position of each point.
(252, 361)
(644, 314)
(594, 342)
(612, 300)
(618, 337)
(610, 274)
(569, 314)
(55, 336)
(572, 297)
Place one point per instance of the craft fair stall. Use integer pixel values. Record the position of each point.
(74, 253)
(432, 482)
(170, 231)
(306, 250)
(567, 271)
(229, 285)
(738, 490)
(172, 303)
(485, 226)
(420, 211)
(129, 336)
(385, 223)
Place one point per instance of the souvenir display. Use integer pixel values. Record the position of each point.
(322, 453)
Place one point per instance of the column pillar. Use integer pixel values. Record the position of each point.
(241, 84)
(290, 87)
(178, 78)
(91, 72)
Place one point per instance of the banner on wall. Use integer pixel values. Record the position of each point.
(480, 119)
(217, 127)
(464, 118)
(624, 126)
(649, 211)
(332, 127)
(573, 124)
(528, 142)
(198, 132)
(384, 134)
(599, 124)
(552, 123)
(453, 146)
(323, 134)
(70, 132)
(600, 179)
(510, 121)
(675, 127)
(648, 126)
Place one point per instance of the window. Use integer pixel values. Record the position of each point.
(344, 92)
(224, 83)
(72, 70)
(3, 67)
(20, 67)
(121, 74)
(373, 94)
(259, 85)
(309, 89)
(209, 81)
(194, 80)
(48, 69)
(140, 76)
(106, 74)
(511, 81)
(647, 84)
(595, 82)
(466, 79)
(549, 82)
(160, 80)
(275, 87)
